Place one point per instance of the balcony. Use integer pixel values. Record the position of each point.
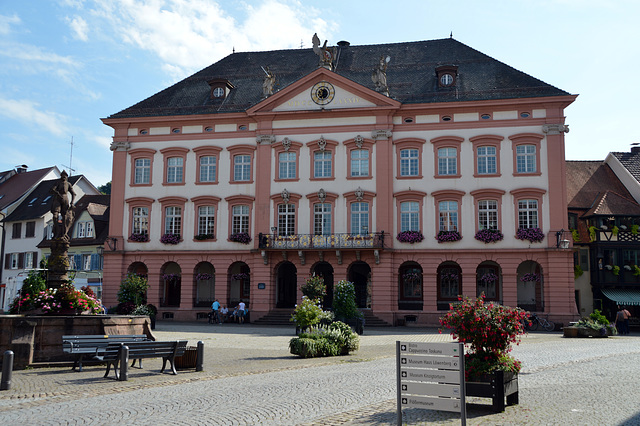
(374, 240)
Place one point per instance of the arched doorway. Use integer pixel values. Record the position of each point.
(449, 284)
(286, 285)
(488, 281)
(325, 270)
(138, 268)
(360, 276)
(410, 286)
(171, 285)
(530, 286)
(239, 284)
(204, 289)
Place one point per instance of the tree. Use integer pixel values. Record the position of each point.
(105, 189)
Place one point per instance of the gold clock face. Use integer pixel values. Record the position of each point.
(322, 93)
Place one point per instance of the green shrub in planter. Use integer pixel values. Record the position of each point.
(334, 339)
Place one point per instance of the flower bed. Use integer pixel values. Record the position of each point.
(534, 235)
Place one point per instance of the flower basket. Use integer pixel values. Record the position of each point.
(410, 237)
(202, 237)
(240, 237)
(137, 237)
(170, 239)
(489, 235)
(534, 235)
(239, 277)
(530, 277)
(448, 236)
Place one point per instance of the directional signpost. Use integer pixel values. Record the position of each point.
(431, 376)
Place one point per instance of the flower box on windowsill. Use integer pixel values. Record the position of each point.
(489, 235)
(170, 239)
(138, 238)
(448, 236)
(203, 237)
(240, 237)
(410, 237)
(534, 235)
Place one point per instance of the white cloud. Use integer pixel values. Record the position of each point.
(79, 27)
(29, 113)
(6, 22)
(26, 52)
(190, 34)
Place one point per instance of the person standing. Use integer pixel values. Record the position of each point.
(626, 315)
(215, 308)
(620, 320)
(241, 312)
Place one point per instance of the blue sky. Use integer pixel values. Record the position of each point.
(64, 64)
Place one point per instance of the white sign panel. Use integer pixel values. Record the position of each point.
(433, 389)
(428, 375)
(442, 404)
(447, 363)
(447, 349)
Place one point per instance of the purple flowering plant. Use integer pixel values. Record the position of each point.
(203, 277)
(171, 277)
(170, 239)
(410, 237)
(535, 235)
(201, 237)
(530, 277)
(139, 237)
(489, 277)
(240, 237)
(241, 276)
(411, 276)
(448, 236)
(489, 235)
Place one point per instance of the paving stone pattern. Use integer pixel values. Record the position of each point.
(250, 378)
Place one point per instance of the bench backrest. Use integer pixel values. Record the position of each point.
(91, 341)
(149, 349)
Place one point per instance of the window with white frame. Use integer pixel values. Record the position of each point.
(487, 160)
(240, 219)
(13, 261)
(359, 162)
(206, 220)
(85, 230)
(287, 165)
(448, 215)
(322, 219)
(208, 168)
(86, 262)
(242, 168)
(142, 172)
(141, 220)
(359, 218)
(526, 159)
(48, 231)
(447, 161)
(173, 220)
(322, 164)
(409, 162)
(175, 169)
(409, 216)
(286, 219)
(28, 260)
(527, 214)
(487, 214)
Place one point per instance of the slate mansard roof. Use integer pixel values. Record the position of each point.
(411, 77)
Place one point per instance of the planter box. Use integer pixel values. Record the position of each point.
(497, 386)
(570, 331)
(188, 360)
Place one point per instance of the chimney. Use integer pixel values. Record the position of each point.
(635, 148)
(22, 169)
(344, 43)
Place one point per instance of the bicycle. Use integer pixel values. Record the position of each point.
(534, 321)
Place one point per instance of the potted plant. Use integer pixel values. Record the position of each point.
(489, 330)
(309, 313)
(314, 288)
(138, 237)
(334, 339)
(170, 239)
(534, 235)
(596, 325)
(410, 237)
(240, 237)
(489, 235)
(344, 306)
(448, 236)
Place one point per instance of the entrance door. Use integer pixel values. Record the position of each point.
(359, 275)
(286, 285)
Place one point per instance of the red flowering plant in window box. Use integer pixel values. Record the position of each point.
(489, 329)
(535, 235)
(489, 235)
(448, 236)
(410, 237)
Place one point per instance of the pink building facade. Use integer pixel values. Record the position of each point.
(436, 173)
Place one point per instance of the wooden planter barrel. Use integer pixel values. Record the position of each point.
(497, 386)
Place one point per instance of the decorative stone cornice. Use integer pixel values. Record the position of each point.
(286, 144)
(555, 129)
(120, 146)
(285, 196)
(359, 194)
(359, 140)
(322, 144)
(265, 139)
(381, 134)
(322, 195)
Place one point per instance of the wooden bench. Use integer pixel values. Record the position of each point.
(168, 351)
(91, 344)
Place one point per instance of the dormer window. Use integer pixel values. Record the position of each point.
(219, 88)
(446, 75)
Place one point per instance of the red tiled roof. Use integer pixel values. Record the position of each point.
(16, 186)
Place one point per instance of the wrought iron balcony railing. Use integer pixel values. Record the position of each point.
(373, 240)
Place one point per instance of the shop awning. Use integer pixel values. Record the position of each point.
(622, 296)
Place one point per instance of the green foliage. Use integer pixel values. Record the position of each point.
(307, 313)
(634, 229)
(616, 270)
(105, 189)
(314, 288)
(592, 233)
(615, 230)
(34, 283)
(344, 301)
(577, 271)
(133, 289)
(144, 310)
(597, 316)
(334, 339)
(576, 235)
(56, 300)
(636, 270)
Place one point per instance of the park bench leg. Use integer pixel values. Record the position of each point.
(133, 364)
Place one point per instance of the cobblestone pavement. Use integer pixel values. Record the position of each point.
(250, 378)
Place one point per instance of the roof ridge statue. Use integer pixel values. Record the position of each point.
(327, 55)
(379, 75)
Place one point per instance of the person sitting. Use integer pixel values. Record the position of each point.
(233, 316)
(224, 314)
